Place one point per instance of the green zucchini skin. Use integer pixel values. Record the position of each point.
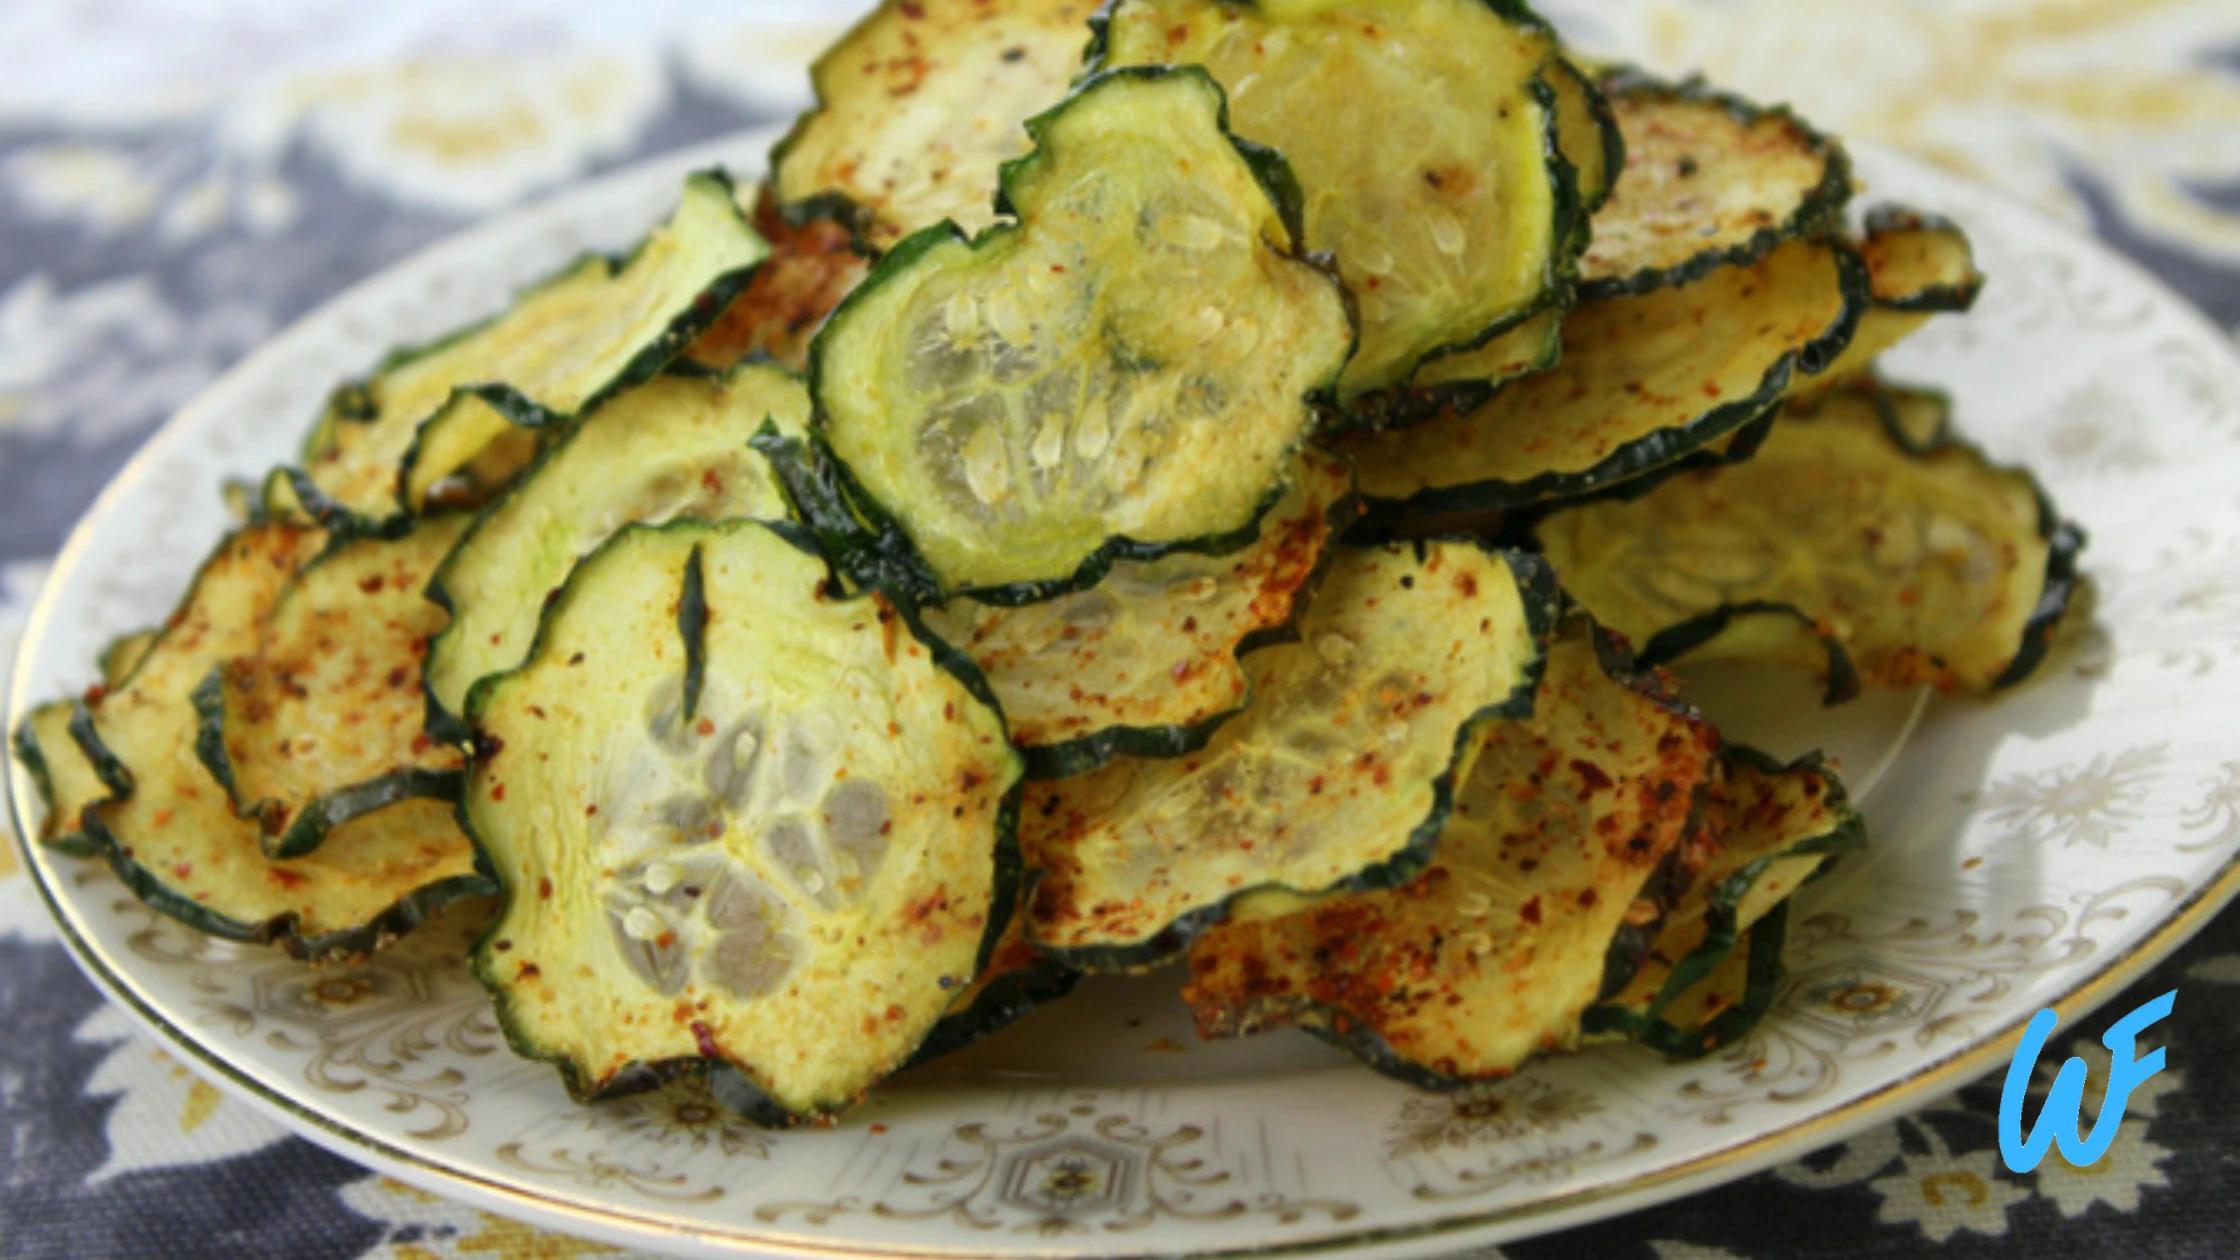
(1765, 942)
(63, 835)
(1639, 464)
(1005, 1002)
(397, 920)
(356, 403)
(1819, 213)
(1258, 979)
(303, 833)
(1385, 400)
(1938, 299)
(729, 1085)
(1725, 934)
(867, 536)
(691, 422)
(1543, 603)
(2066, 543)
(1098, 749)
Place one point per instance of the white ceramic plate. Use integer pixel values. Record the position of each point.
(2040, 851)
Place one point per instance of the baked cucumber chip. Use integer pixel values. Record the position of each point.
(919, 107)
(601, 325)
(1490, 957)
(1710, 181)
(1145, 663)
(674, 447)
(1339, 777)
(738, 822)
(1841, 545)
(1018, 977)
(1122, 373)
(1764, 831)
(1423, 132)
(1588, 135)
(170, 831)
(813, 264)
(1920, 267)
(323, 722)
(65, 778)
(66, 781)
(1588, 138)
(1645, 382)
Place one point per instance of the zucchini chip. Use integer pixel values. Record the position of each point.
(1121, 374)
(738, 821)
(813, 264)
(1765, 831)
(673, 447)
(1339, 777)
(1018, 978)
(170, 832)
(66, 779)
(1588, 138)
(599, 326)
(1840, 543)
(1710, 181)
(1491, 956)
(1144, 663)
(1645, 382)
(324, 722)
(921, 105)
(1440, 193)
(1920, 267)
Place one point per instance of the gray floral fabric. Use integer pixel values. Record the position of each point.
(178, 184)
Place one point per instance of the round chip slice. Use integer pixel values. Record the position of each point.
(1339, 776)
(1123, 373)
(738, 822)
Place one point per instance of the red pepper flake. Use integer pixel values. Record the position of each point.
(421, 743)
(183, 870)
(590, 811)
(1531, 912)
(878, 1128)
(497, 791)
(371, 585)
(544, 888)
(706, 727)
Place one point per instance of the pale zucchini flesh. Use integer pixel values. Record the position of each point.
(674, 447)
(65, 778)
(323, 721)
(1765, 831)
(922, 103)
(170, 832)
(1645, 383)
(390, 441)
(1437, 187)
(1145, 663)
(1919, 267)
(739, 822)
(1903, 565)
(1492, 955)
(1710, 181)
(1338, 777)
(1123, 373)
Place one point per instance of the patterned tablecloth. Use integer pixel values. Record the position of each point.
(180, 180)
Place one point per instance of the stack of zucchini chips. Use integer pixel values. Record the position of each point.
(1197, 481)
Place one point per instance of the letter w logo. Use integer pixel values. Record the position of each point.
(2066, 1098)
